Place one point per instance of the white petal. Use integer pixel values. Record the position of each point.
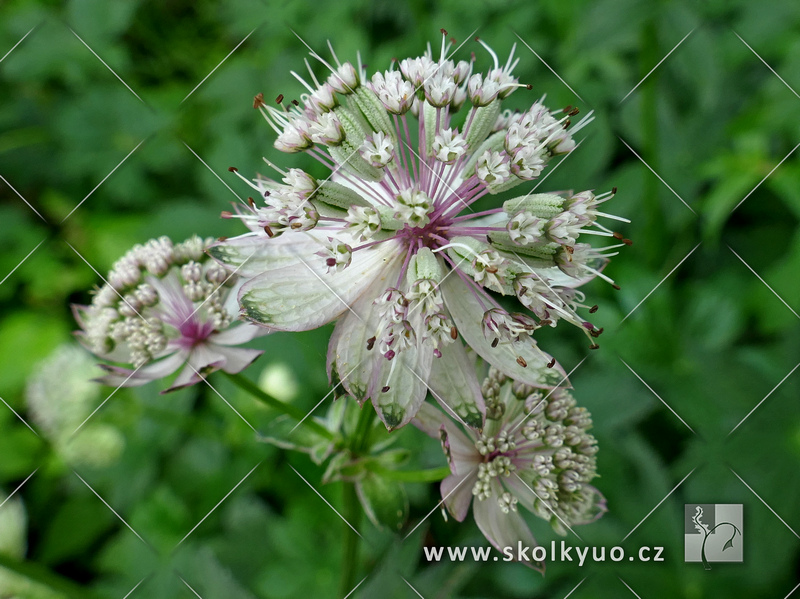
(347, 351)
(457, 493)
(429, 420)
(399, 385)
(236, 358)
(238, 334)
(503, 529)
(467, 314)
(304, 297)
(150, 372)
(251, 255)
(203, 360)
(455, 385)
(459, 448)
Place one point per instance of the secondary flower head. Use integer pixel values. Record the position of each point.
(162, 307)
(61, 396)
(535, 452)
(389, 243)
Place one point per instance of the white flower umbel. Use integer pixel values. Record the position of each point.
(61, 396)
(394, 217)
(165, 307)
(534, 452)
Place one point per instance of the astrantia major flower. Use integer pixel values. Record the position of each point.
(164, 307)
(534, 452)
(389, 245)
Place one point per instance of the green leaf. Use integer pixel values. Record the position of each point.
(385, 501)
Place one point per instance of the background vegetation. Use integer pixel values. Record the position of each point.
(107, 162)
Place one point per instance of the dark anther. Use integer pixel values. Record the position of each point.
(252, 202)
(222, 239)
(570, 249)
(627, 241)
(491, 269)
(385, 389)
(617, 235)
(453, 333)
(567, 123)
(331, 261)
(268, 231)
(444, 31)
(279, 99)
(521, 361)
(545, 323)
(528, 86)
(233, 169)
(594, 346)
(615, 286)
(295, 102)
(568, 109)
(495, 342)
(370, 343)
(258, 101)
(614, 190)
(551, 363)
(593, 309)
(477, 39)
(574, 111)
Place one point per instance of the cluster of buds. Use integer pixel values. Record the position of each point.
(535, 451)
(165, 305)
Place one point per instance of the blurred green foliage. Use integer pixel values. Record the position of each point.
(711, 339)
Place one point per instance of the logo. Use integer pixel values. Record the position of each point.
(713, 533)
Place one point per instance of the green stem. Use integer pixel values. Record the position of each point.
(358, 444)
(360, 440)
(352, 515)
(411, 476)
(288, 409)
